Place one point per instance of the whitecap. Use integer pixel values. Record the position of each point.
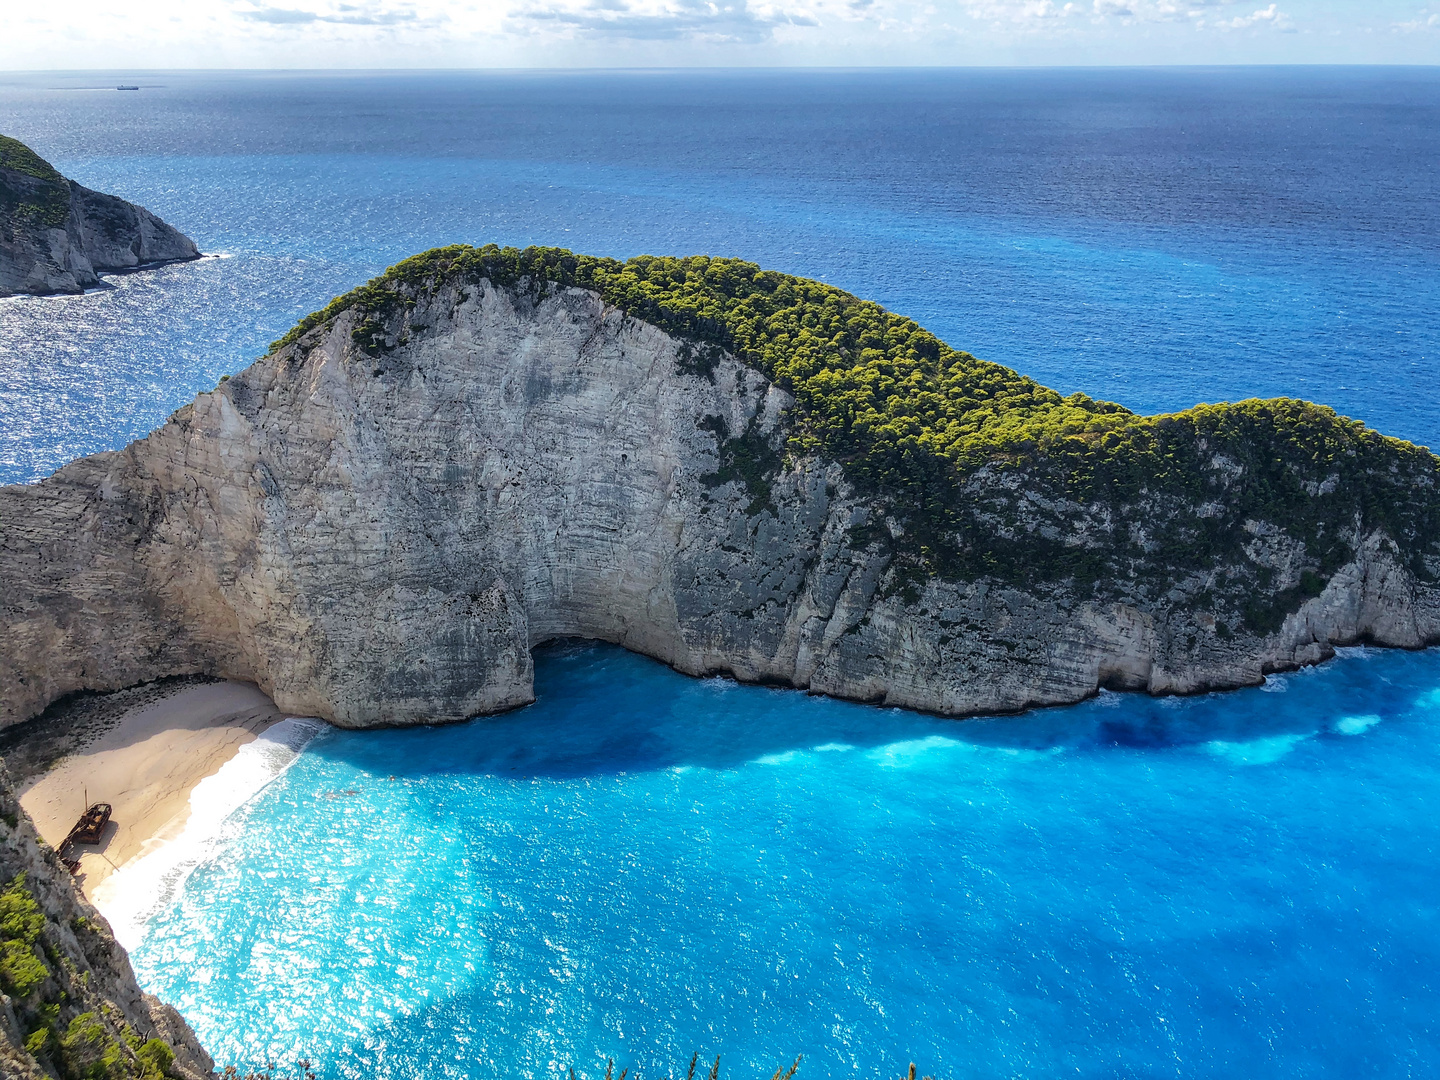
(778, 759)
(1255, 751)
(147, 884)
(832, 746)
(1356, 725)
(1275, 684)
(1356, 652)
(910, 751)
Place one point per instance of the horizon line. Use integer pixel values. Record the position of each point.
(713, 68)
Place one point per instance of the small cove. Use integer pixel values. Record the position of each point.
(641, 865)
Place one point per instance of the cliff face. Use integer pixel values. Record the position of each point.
(378, 521)
(55, 235)
(69, 1002)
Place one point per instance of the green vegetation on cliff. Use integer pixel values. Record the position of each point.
(987, 472)
(43, 985)
(44, 199)
(21, 921)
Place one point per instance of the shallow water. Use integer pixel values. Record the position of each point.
(645, 866)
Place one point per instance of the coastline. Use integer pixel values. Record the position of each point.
(146, 762)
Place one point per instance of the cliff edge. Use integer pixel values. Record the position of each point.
(728, 469)
(56, 236)
(69, 1003)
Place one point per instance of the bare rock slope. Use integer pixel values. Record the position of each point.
(378, 521)
(56, 236)
(69, 1003)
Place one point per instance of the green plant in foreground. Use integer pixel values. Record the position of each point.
(155, 1058)
(21, 922)
(271, 1071)
(96, 1043)
(88, 1052)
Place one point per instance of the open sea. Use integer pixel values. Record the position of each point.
(641, 866)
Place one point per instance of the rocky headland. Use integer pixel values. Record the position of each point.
(731, 470)
(57, 236)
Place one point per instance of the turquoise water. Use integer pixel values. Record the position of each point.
(642, 865)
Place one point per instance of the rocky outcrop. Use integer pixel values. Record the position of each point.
(380, 535)
(69, 1003)
(57, 236)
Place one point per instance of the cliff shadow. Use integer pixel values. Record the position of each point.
(601, 710)
(88, 721)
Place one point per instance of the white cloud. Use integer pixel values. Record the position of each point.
(1425, 20)
(100, 34)
(364, 14)
(1020, 11)
(1152, 10)
(1270, 16)
(661, 20)
(1099, 12)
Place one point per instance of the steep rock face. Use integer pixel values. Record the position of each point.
(68, 997)
(55, 235)
(380, 535)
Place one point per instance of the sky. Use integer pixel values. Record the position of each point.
(161, 34)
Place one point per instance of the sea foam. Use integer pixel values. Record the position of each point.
(1356, 725)
(1256, 751)
(146, 884)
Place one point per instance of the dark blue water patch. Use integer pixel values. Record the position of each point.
(1157, 238)
(564, 737)
(1342, 148)
(642, 865)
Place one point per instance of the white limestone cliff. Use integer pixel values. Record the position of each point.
(383, 541)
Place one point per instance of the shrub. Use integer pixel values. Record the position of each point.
(89, 1052)
(915, 423)
(45, 203)
(155, 1059)
(21, 922)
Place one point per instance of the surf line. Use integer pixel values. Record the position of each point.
(147, 884)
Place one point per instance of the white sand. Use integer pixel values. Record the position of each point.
(146, 767)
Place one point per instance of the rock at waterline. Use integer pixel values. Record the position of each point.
(726, 468)
(56, 236)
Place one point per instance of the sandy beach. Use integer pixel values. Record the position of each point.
(144, 760)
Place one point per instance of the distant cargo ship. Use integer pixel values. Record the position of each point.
(127, 88)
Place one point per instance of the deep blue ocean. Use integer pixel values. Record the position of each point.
(640, 865)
